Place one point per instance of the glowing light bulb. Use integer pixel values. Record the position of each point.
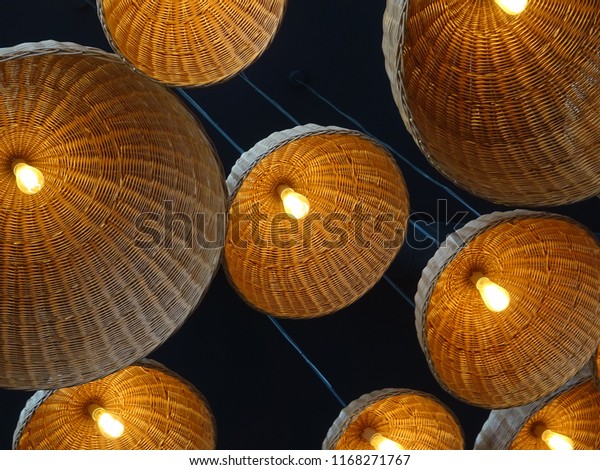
(494, 297)
(379, 442)
(109, 426)
(295, 205)
(554, 440)
(30, 180)
(512, 7)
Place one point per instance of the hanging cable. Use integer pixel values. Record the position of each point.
(403, 294)
(308, 361)
(269, 99)
(424, 232)
(297, 80)
(206, 116)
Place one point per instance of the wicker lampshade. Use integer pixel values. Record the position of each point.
(158, 409)
(415, 420)
(356, 225)
(506, 106)
(94, 275)
(550, 267)
(573, 411)
(190, 42)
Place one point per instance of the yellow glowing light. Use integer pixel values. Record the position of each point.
(295, 205)
(554, 440)
(109, 426)
(512, 7)
(494, 297)
(379, 442)
(30, 180)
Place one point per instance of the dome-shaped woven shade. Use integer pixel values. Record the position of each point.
(550, 267)
(506, 106)
(190, 42)
(354, 229)
(94, 274)
(573, 411)
(158, 410)
(415, 420)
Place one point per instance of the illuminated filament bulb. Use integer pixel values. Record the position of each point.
(379, 442)
(512, 7)
(109, 426)
(29, 179)
(295, 205)
(494, 297)
(553, 440)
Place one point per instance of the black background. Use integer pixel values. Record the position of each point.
(262, 393)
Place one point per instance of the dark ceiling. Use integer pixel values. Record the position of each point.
(263, 394)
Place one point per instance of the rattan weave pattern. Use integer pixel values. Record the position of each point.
(159, 410)
(415, 420)
(573, 410)
(324, 262)
(190, 42)
(550, 265)
(92, 279)
(507, 107)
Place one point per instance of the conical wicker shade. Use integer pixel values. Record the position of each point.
(550, 266)
(356, 225)
(415, 420)
(505, 106)
(190, 42)
(573, 411)
(158, 409)
(94, 275)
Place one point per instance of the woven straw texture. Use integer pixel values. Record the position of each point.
(415, 420)
(356, 225)
(507, 124)
(573, 411)
(159, 411)
(91, 279)
(550, 266)
(190, 42)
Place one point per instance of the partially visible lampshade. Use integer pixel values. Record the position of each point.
(190, 42)
(155, 408)
(395, 419)
(352, 209)
(107, 259)
(504, 105)
(549, 266)
(568, 418)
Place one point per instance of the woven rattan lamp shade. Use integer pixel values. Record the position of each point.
(94, 275)
(190, 42)
(550, 266)
(573, 411)
(356, 225)
(415, 420)
(505, 106)
(158, 409)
